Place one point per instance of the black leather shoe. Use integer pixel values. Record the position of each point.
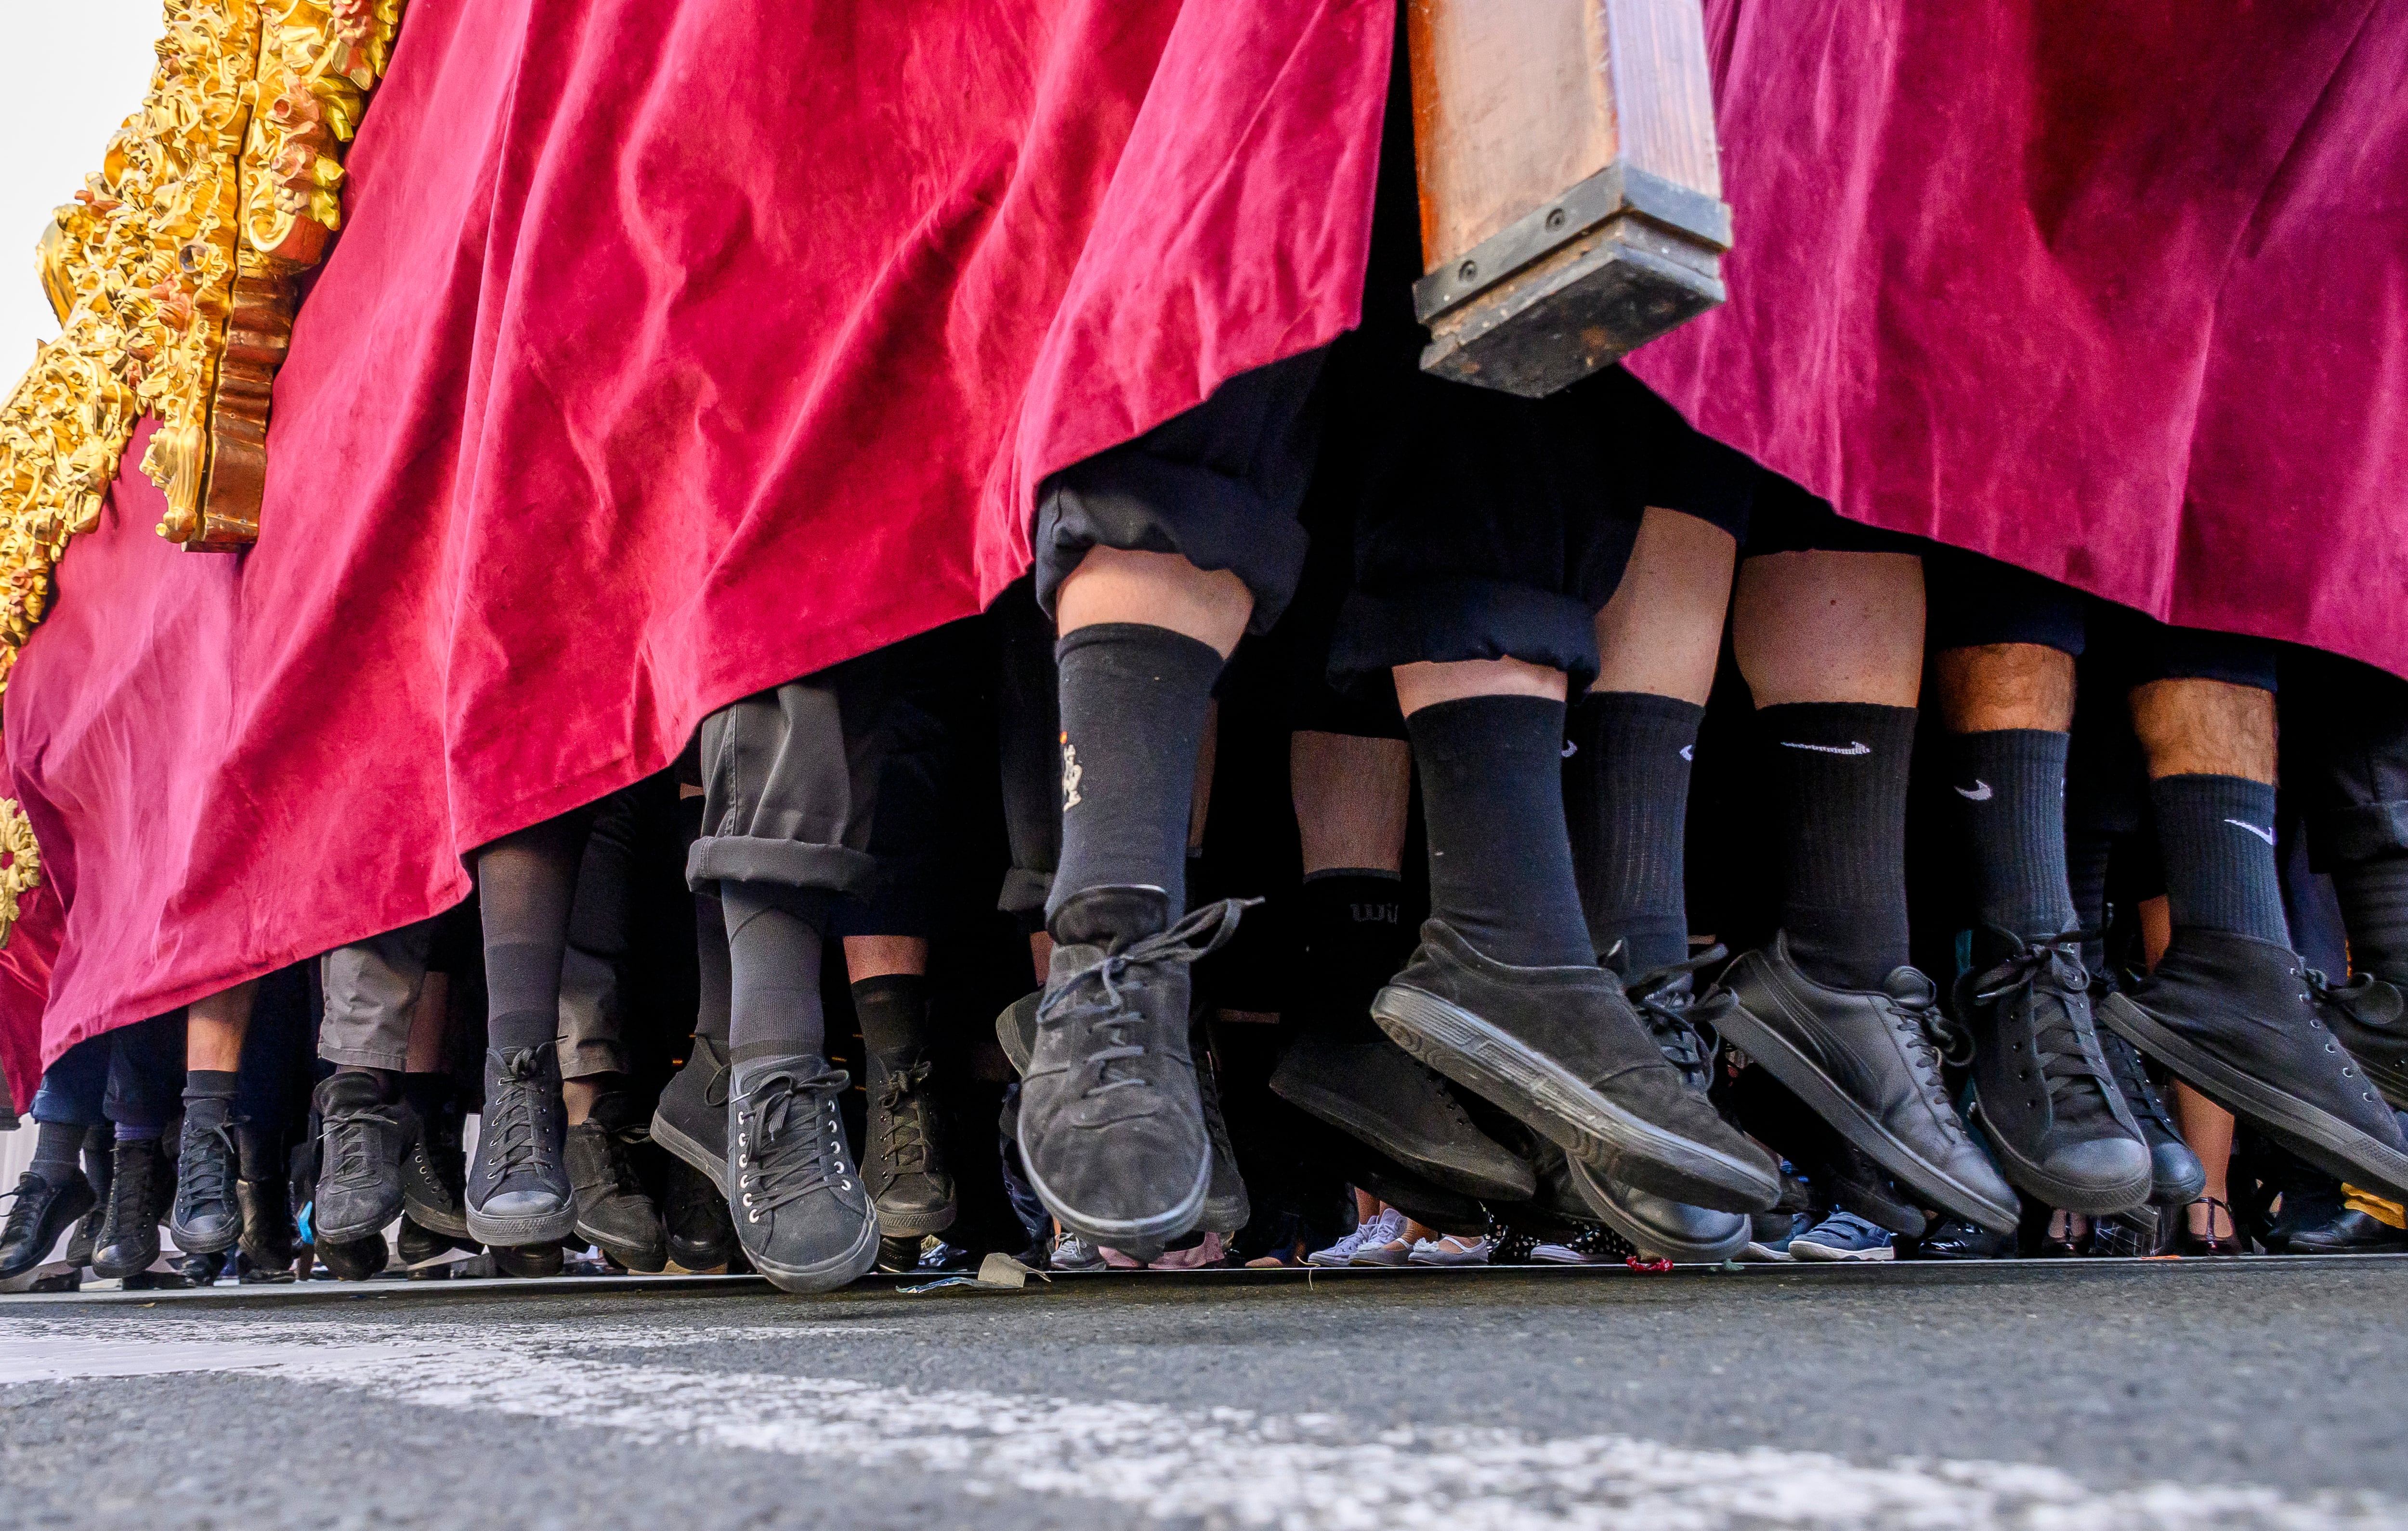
(353, 1259)
(205, 1217)
(140, 1186)
(1953, 1239)
(2175, 1174)
(2371, 1020)
(690, 1119)
(2237, 1019)
(2211, 1242)
(41, 1213)
(802, 1213)
(519, 1191)
(702, 1237)
(2352, 1233)
(2048, 1105)
(1226, 1207)
(1370, 1089)
(435, 1176)
(613, 1210)
(1867, 1063)
(362, 1139)
(1560, 1049)
(1112, 1125)
(99, 1170)
(908, 1183)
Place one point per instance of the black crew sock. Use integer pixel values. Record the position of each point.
(2215, 835)
(1500, 859)
(2010, 785)
(1351, 928)
(2087, 855)
(1627, 801)
(526, 884)
(893, 1008)
(773, 949)
(58, 1147)
(2374, 911)
(1133, 704)
(710, 952)
(1838, 770)
(208, 1096)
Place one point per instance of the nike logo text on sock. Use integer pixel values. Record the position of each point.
(2265, 835)
(1855, 747)
(1980, 792)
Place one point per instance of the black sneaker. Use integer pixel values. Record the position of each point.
(802, 1214)
(420, 1251)
(2351, 1232)
(702, 1237)
(1953, 1239)
(528, 1262)
(42, 1211)
(1848, 1179)
(2048, 1105)
(2237, 1019)
(362, 1139)
(205, 1217)
(1372, 1090)
(1560, 1049)
(2367, 1014)
(99, 1170)
(613, 1210)
(909, 1183)
(518, 1190)
(435, 1176)
(690, 1119)
(1867, 1063)
(1111, 1125)
(2175, 1174)
(1226, 1207)
(140, 1186)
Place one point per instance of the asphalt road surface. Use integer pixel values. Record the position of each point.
(2062, 1396)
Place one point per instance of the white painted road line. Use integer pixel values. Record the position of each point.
(1291, 1472)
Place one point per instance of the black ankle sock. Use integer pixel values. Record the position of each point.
(2374, 911)
(2087, 855)
(1133, 703)
(1351, 928)
(2010, 785)
(711, 951)
(1627, 801)
(893, 1008)
(57, 1148)
(1493, 797)
(2215, 835)
(773, 945)
(1838, 770)
(208, 1096)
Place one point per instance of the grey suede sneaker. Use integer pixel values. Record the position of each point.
(802, 1210)
(362, 1138)
(518, 1189)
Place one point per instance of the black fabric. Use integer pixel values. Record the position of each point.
(2088, 856)
(2010, 786)
(1500, 859)
(1839, 772)
(1028, 726)
(1626, 775)
(428, 1094)
(1975, 602)
(56, 1146)
(2374, 911)
(525, 883)
(208, 1096)
(712, 960)
(1133, 703)
(893, 1010)
(1785, 517)
(2216, 834)
(1353, 933)
(1667, 463)
(774, 946)
(592, 1019)
(898, 898)
(2344, 731)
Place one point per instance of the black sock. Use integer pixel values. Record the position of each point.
(57, 1146)
(773, 949)
(525, 883)
(259, 1151)
(1627, 801)
(2374, 911)
(1500, 859)
(1838, 770)
(1133, 702)
(2215, 835)
(2087, 855)
(1351, 928)
(893, 1008)
(710, 952)
(208, 1096)
(2009, 784)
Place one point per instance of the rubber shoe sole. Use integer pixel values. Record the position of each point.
(698, 1157)
(434, 1218)
(1118, 1233)
(649, 1260)
(915, 1224)
(1550, 1100)
(824, 1275)
(1804, 1251)
(513, 1232)
(2314, 1134)
(1352, 1118)
(1652, 1244)
(1823, 1096)
(2066, 1195)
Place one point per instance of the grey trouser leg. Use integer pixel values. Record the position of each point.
(372, 990)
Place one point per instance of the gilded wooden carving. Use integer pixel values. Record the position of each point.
(21, 863)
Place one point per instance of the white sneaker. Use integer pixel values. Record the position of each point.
(1379, 1230)
(1453, 1250)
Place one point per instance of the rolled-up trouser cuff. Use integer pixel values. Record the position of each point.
(1444, 621)
(742, 858)
(585, 1057)
(2340, 837)
(1025, 892)
(372, 990)
(1976, 602)
(1124, 499)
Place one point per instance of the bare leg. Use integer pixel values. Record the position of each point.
(1155, 590)
(428, 1019)
(1830, 627)
(2006, 685)
(883, 956)
(1352, 796)
(1663, 630)
(214, 1028)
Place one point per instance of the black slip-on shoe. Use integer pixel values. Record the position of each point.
(435, 1176)
(1867, 1063)
(614, 1212)
(518, 1189)
(1015, 1030)
(802, 1211)
(139, 1186)
(39, 1213)
(205, 1217)
(2175, 1175)
(355, 1259)
(702, 1237)
(1953, 1239)
(99, 1170)
(1372, 1090)
(2237, 1019)
(1226, 1207)
(690, 1119)
(1112, 1124)
(361, 1140)
(2371, 1020)
(2352, 1233)
(909, 1183)
(1560, 1049)
(2042, 1089)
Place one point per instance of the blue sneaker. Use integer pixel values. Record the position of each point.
(1843, 1235)
(1770, 1235)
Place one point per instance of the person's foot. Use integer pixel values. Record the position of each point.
(1382, 1228)
(138, 1193)
(1074, 1253)
(2066, 1237)
(361, 1140)
(1848, 1178)
(802, 1212)
(518, 1191)
(909, 1183)
(38, 1213)
(2370, 1018)
(2353, 1231)
(1560, 1049)
(2237, 1019)
(1953, 1239)
(434, 1174)
(2214, 1234)
(2175, 1174)
(1396, 1250)
(1843, 1235)
(1450, 1249)
(690, 1119)
(421, 1252)
(702, 1237)
(529, 1262)
(1771, 1234)
(1867, 1063)
(1372, 1090)
(205, 1218)
(613, 1210)
(2042, 1089)
(1112, 1125)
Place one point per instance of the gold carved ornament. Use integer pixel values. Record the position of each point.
(21, 863)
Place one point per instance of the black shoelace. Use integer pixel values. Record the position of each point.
(350, 1135)
(902, 1107)
(1093, 1000)
(1665, 999)
(129, 1195)
(2041, 976)
(1929, 1040)
(204, 1171)
(509, 1141)
(2132, 1079)
(28, 1193)
(787, 1145)
(2365, 999)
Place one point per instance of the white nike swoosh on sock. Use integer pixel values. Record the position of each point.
(1570, 749)
(2265, 835)
(1980, 792)
(1855, 747)
(1687, 751)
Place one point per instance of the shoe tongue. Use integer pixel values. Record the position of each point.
(1111, 917)
(351, 1090)
(1908, 986)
